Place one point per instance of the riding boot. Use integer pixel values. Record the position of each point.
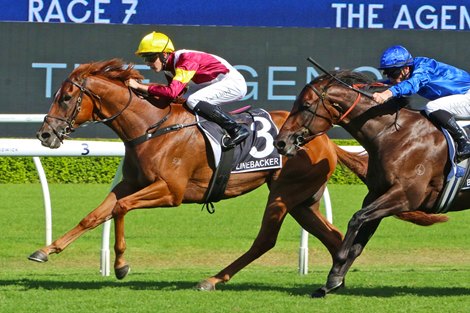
(446, 120)
(237, 132)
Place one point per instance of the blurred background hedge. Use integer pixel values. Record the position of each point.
(100, 170)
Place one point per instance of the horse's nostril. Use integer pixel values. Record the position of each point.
(279, 144)
(43, 135)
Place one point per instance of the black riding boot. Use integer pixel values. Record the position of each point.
(446, 120)
(237, 132)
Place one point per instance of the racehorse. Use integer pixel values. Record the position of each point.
(176, 167)
(408, 156)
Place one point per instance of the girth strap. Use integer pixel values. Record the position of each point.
(219, 180)
(453, 186)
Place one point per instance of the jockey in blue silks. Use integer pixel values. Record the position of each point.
(446, 86)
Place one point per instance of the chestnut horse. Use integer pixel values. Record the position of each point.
(408, 156)
(176, 168)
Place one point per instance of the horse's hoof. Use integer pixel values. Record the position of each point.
(38, 256)
(205, 285)
(319, 293)
(323, 291)
(122, 272)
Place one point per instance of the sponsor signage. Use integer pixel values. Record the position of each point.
(375, 14)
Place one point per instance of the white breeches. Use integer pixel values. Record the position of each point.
(458, 105)
(226, 88)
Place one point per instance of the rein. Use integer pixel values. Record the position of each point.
(149, 134)
(343, 116)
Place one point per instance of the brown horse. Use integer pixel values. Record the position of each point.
(164, 172)
(408, 157)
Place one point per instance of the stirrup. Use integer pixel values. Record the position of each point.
(462, 155)
(462, 151)
(228, 142)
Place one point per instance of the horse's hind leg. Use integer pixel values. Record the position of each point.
(98, 216)
(272, 220)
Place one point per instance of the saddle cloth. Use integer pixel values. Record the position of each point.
(459, 174)
(257, 152)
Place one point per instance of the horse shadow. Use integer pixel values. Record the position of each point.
(299, 290)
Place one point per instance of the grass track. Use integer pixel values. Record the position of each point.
(405, 268)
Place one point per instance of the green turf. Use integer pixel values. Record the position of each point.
(405, 268)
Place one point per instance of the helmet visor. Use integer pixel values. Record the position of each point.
(392, 72)
(150, 57)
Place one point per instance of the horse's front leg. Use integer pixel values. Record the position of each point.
(157, 194)
(95, 218)
(361, 227)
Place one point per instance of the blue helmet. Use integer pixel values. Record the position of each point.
(395, 56)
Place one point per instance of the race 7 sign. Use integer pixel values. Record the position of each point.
(82, 11)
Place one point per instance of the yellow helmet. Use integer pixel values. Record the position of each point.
(155, 43)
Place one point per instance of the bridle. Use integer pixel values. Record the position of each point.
(300, 139)
(70, 120)
(152, 131)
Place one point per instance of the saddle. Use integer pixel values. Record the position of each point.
(255, 153)
(458, 178)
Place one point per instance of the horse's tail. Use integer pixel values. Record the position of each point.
(421, 218)
(356, 162)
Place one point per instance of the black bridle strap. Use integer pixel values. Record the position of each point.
(159, 132)
(150, 133)
(322, 97)
(68, 120)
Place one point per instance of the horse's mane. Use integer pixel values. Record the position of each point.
(349, 77)
(358, 78)
(114, 69)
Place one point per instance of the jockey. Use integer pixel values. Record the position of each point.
(211, 82)
(446, 86)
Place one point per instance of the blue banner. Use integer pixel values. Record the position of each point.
(364, 14)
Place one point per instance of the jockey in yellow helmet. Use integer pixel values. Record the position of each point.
(211, 81)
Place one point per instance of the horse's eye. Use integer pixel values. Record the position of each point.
(64, 99)
(337, 107)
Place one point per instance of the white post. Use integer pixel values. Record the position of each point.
(328, 208)
(105, 264)
(47, 199)
(303, 250)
